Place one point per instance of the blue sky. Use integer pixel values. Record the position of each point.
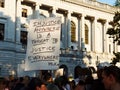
(111, 2)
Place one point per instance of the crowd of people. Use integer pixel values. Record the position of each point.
(108, 79)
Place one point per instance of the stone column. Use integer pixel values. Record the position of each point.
(105, 37)
(79, 33)
(69, 29)
(93, 33)
(36, 12)
(103, 34)
(52, 12)
(65, 39)
(103, 21)
(106, 42)
(18, 22)
(82, 32)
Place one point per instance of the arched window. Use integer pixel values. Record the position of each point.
(65, 69)
(86, 34)
(73, 32)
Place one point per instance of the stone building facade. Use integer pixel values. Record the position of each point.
(84, 41)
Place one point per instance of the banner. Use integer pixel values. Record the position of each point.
(43, 47)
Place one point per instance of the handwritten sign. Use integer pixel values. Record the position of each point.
(43, 44)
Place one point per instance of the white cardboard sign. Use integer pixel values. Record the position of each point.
(43, 44)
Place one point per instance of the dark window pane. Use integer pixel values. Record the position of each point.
(2, 3)
(2, 27)
(86, 34)
(23, 39)
(24, 12)
(73, 32)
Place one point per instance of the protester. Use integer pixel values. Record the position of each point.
(52, 87)
(97, 83)
(25, 82)
(66, 82)
(36, 84)
(80, 85)
(4, 84)
(48, 78)
(88, 82)
(111, 78)
(72, 85)
(19, 85)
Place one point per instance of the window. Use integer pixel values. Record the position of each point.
(23, 39)
(109, 48)
(2, 3)
(73, 32)
(24, 12)
(86, 34)
(61, 32)
(2, 29)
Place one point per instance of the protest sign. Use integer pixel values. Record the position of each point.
(43, 47)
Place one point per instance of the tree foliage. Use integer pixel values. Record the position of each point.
(116, 59)
(117, 3)
(114, 33)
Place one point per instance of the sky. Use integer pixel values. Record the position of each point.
(111, 2)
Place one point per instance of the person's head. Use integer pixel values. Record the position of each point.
(4, 83)
(81, 82)
(89, 79)
(80, 85)
(48, 78)
(111, 77)
(99, 73)
(26, 80)
(36, 84)
(52, 87)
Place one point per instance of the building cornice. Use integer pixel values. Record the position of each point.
(94, 5)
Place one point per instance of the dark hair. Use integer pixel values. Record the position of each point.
(52, 87)
(34, 82)
(114, 70)
(81, 82)
(47, 76)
